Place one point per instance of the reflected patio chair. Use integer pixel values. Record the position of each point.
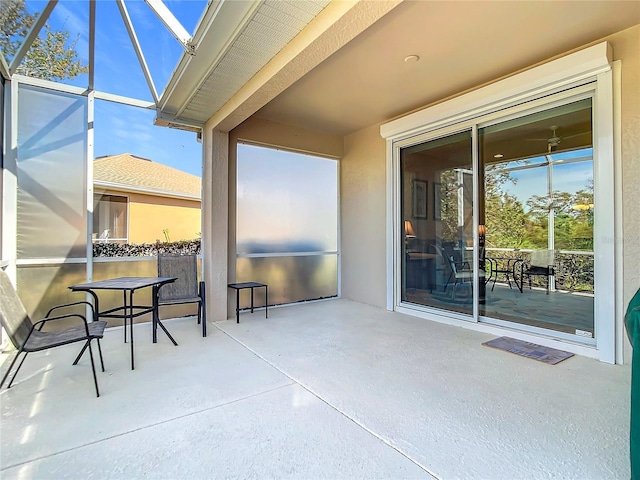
(459, 272)
(104, 236)
(541, 264)
(28, 337)
(186, 289)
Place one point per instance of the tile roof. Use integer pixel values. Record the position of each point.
(129, 171)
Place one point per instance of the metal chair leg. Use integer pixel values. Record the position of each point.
(203, 309)
(17, 369)
(93, 368)
(84, 347)
(100, 352)
(494, 282)
(13, 362)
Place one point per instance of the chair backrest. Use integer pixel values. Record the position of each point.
(447, 259)
(542, 258)
(185, 269)
(13, 316)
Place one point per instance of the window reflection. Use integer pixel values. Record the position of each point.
(437, 211)
(539, 202)
(110, 218)
(536, 201)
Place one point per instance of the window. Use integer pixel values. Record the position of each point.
(110, 218)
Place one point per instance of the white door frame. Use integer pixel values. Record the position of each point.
(590, 69)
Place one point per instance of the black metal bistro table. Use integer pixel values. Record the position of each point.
(129, 311)
(502, 266)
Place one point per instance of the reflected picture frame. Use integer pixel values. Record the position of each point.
(437, 201)
(419, 199)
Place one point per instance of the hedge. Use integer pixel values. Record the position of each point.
(182, 247)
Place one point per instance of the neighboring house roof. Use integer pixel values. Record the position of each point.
(129, 172)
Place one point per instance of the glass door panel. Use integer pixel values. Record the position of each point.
(437, 220)
(537, 207)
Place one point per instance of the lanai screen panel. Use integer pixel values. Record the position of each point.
(51, 173)
(287, 224)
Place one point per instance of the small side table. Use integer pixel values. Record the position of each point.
(239, 286)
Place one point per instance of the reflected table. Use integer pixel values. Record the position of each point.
(128, 311)
(420, 270)
(505, 266)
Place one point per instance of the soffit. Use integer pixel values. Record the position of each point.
(461, 45)
(234, 40)
(352, 73)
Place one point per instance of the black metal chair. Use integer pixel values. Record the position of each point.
(186, 289)
(28, 337)
(541, 264)
(459, 272)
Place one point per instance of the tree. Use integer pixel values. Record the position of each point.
(506, 222)
(573, 218)
(504, 214)
(51, 56)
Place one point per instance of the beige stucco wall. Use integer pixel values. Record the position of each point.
(264, 132)
(363, 190)
(149, 215)
(626, 48)
(363, 184)
(363, 217)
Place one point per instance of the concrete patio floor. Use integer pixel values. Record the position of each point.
(332, 389)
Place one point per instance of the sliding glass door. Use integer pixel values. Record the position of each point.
(539, 206)
(437, 220)
(504, 205)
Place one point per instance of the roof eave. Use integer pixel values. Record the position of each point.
(145, 191)
(221, 23)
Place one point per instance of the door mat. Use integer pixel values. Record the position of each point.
(529, 350)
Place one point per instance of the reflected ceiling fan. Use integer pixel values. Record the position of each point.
(554, 140)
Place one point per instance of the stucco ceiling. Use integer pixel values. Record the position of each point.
(460, 44)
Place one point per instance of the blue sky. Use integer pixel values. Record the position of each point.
(569, 177)
(121, 128)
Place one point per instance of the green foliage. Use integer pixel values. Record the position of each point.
(449, 205)
(506, 222)
(505, 217)
(510, 225)
(15, 23)
(51, 56)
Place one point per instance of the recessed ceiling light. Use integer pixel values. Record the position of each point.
(411, 59)
(498, 155)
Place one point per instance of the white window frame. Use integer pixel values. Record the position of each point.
(128, 223)
(587, 70)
